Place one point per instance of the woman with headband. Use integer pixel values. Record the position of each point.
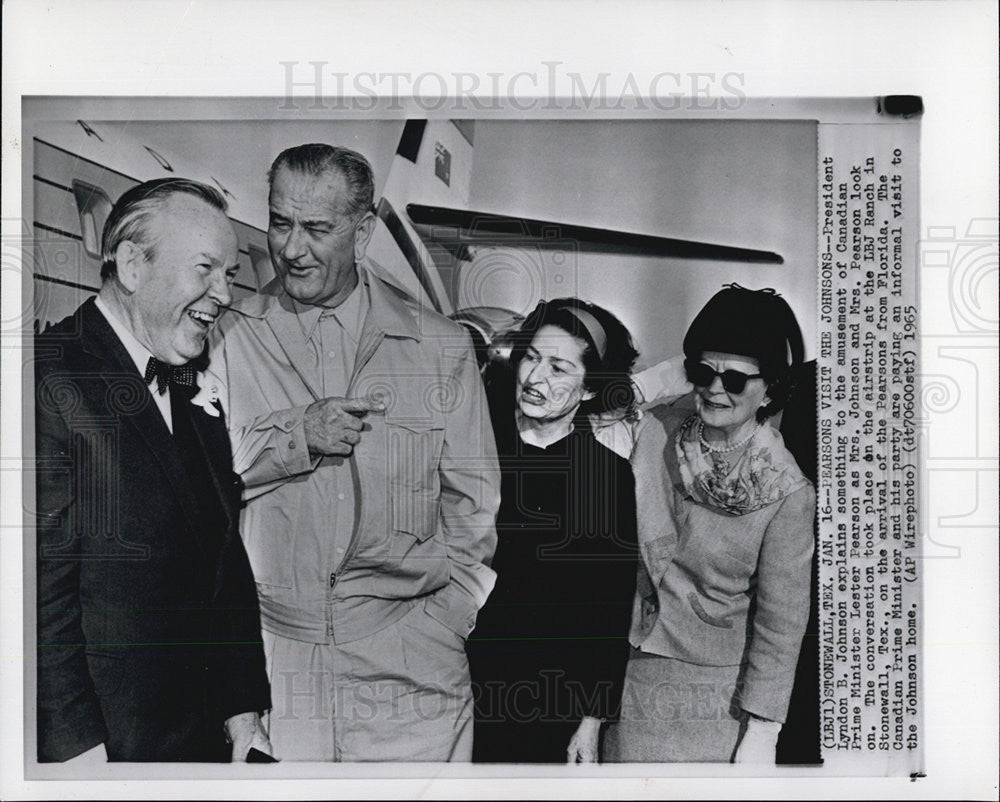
(726, 535)
(549, 650)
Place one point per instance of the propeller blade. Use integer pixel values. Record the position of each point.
(456, 229)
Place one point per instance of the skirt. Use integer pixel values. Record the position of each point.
(676, 712)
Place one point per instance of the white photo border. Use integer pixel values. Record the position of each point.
(941, 52)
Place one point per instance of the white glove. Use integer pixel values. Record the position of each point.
(759, 742)
(245, 731)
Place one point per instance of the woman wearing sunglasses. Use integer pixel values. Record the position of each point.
(726, 536)
(550, 646)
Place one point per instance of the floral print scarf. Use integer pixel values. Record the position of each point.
(765, 473)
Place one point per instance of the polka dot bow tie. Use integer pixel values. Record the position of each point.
(168, 374)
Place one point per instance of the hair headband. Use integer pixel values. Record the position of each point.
(593, 327)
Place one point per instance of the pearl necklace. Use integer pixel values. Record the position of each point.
(718, 449)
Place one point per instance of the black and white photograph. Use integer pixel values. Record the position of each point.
(490, 500)
(394, 427)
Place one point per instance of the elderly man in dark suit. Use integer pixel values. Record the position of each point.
(149, 645)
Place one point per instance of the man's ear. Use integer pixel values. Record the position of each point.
(362, 235)
(129, 259)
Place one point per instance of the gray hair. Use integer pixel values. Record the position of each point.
(130, 216)
(316, 159)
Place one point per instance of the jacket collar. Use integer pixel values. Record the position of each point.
(98, 339)
(390, 311)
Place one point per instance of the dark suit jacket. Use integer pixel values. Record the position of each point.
(148, 625)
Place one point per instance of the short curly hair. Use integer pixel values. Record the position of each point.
(607, 365)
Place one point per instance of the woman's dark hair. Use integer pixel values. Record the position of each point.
(755, 323)
(608, 355)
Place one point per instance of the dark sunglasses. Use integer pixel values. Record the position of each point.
(702, 375)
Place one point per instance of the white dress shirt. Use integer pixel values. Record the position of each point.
(141, 356)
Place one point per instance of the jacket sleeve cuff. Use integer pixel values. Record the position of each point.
(71, 738)
(290, 445)
(253, 699)
(766, 702)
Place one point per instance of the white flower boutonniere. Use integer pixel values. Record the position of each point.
(209, 393)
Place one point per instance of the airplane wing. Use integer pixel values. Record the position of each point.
(458, 229)
(428, 222)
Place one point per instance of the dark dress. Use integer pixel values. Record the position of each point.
(550, 645)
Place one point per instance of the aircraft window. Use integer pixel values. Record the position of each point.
(94, 206)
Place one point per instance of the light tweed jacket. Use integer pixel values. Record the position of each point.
(716, 589)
